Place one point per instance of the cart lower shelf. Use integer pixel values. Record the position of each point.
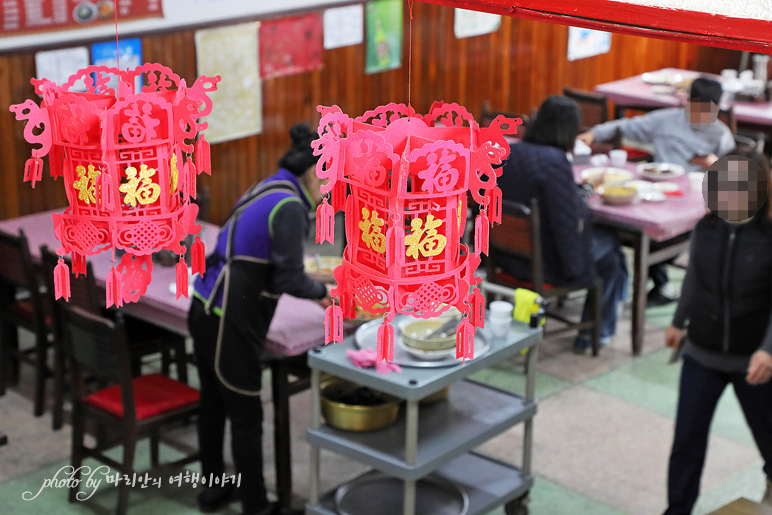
(487, 482)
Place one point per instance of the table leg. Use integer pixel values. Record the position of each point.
(411, 454)
(316, 422)
(281, 433)
(641, 247)
(530, 394)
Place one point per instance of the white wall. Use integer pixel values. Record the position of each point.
(756, 9)
(177, 13)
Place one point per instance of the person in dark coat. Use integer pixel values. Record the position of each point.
(723, 326)
(259, 255)
(574, 251)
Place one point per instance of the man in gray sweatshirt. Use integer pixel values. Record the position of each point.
(691, 143)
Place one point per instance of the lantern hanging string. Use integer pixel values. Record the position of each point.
(117, 60)
(409, 57)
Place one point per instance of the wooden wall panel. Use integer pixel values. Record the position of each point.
(515, 68)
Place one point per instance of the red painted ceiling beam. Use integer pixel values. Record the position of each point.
(654, 22)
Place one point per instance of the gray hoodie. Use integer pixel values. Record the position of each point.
(673, 139)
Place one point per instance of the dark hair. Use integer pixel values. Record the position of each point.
(556, 124)
(300, 156)
(763, 162)
(706, 90)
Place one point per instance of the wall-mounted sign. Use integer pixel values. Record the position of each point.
(587, 43)
(36, 15)
(290, 45)
(467, 24)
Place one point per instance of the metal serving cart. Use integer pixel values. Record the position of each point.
(435, 439)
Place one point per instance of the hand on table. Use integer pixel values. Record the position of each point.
(587, 137)
(704, 161)
(594, 180)
(673, 336)
(760, 367)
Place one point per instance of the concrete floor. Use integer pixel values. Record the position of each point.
(602, 438)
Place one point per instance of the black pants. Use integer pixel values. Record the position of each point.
(700, 390)
(218, 402)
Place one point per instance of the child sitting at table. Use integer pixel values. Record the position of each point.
(574, 250)
(692, 144)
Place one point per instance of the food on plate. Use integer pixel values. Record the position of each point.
(617, 194)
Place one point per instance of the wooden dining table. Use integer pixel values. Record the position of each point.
(297, 326)
(656, 231)
(635, 92)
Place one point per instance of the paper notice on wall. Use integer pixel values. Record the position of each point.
(232, 53)
(291, 45)
(58, 65)
(344, 26)
(467, 24)
(106, 54)
(384, 36)
(587, 43)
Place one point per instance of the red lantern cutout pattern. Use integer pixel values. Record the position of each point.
(402, 180)
(121, 156)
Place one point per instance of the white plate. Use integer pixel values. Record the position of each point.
(366, 337)
(610, 175)
(641, 186)
(654, 77)
(673, 171)
(654, 196)
(666, 187)
(427, 355)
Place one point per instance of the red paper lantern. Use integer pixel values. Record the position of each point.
(126, 161)
(402, 180)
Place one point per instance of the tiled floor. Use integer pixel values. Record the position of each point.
(602, 438)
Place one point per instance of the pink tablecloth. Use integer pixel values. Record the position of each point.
(633, 91)
(658, 220)
(298, 324)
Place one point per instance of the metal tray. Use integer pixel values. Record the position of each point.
(367, 338)
(378, 494)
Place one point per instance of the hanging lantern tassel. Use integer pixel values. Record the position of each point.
(78, 264)
(494, 204)
(33, 169)
(481, 233)
(325, 222)
(105, 193)
(190, 177)
(113, 289)
(348, 308)
(182, 278)
(465, 340)
(477, 308)
(203, 159)
(197, 259)
(385, 341)
(62, 280)
(333, 324)
(338, 196)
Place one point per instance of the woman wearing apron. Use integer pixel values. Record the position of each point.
(259, 256)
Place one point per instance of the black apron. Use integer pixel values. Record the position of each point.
(249, 302)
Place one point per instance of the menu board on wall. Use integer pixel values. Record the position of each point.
(36, 15)
(290, 45)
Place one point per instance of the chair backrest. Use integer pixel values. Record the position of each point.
(594, 107)
(97, 346)
(487, 116)
(727, 116)
(519, 235)
(17, 269)
(18, 272)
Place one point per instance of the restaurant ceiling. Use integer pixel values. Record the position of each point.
(708, 26)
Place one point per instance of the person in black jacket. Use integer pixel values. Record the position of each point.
(727, 301)
(258, 256)
(574, 251)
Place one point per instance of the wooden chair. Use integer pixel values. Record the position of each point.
(487, 116)
(21, 305)
(132, 407)
(594, 107)
(144, 338)
(519, 235)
